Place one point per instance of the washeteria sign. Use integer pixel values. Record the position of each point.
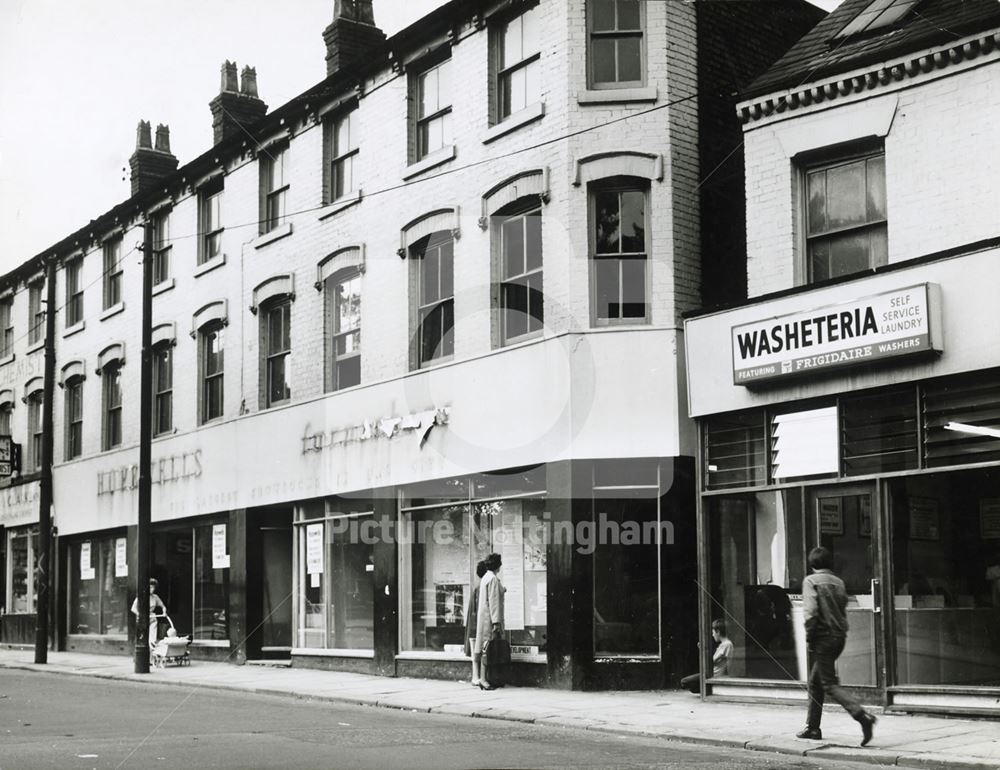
(887, 325)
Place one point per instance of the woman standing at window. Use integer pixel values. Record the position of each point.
(470, 625)
(489, 620)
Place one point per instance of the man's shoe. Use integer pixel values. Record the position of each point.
(867, 727)
(810, 734)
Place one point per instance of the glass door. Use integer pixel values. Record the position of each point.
(845, 521)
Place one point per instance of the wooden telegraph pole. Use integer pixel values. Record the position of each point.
(145, 455)
(44, 561)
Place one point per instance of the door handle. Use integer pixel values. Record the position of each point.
(876, 596)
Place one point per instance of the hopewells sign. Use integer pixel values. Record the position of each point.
(896, 323)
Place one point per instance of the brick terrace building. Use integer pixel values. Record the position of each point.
(859, 407)
(443, 287)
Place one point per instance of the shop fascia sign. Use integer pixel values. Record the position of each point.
(884, 326)
(418, 423)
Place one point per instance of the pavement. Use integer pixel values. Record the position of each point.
(900, 740)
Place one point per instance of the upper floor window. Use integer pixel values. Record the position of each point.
(161, 248)
(163, 388)
(36, 313)
(111, 378)
(74, 293)
(520, 274)
(74, 417)
(620, 249)
(7, 326)
(433, 115)
(344, 311)
(846, 229)
(210, 220)
(212, 342)
(6, 418)
(273, 187)
(615, 35)
(517, 51)
(277, 345)
(434, 257)
(112, 272)
(34, 458)
(342, 152)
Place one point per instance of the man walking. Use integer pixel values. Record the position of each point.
(825, 604)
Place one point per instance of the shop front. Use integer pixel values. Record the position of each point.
(890, 461)
(18, 562)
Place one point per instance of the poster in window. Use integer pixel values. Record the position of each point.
(831, 519)
(924, 520)
(534, 545)
(314, 550)
(450, 604)
(220, 559)
(865, 517)
(121, 557)
(510, 545)
(86, 566)
(989, 518)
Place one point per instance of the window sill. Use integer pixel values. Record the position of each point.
(431, 655)
(616, 95)
(426, 365)
(324, 652)
(428, 162)
(224, 643)
(343, 202)
(513, 342)
(36, 345)
(529, 114)
(113, 310)
(69, 331)
(210, 265)
(282, 231)
(163, 286)
(7, 360)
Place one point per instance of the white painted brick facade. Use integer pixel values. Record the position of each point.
(941, 169)
(388, 203)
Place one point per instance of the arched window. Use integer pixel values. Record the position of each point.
(340, 280)
(211, 367)
(163, 388)
(33, 400)
(73, 388)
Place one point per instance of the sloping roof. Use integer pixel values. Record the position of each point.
(819, 55)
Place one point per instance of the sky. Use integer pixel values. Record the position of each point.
(76, 76)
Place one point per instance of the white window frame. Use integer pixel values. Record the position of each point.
(423, 309)
(615, 34)
(34, 401)
(501, 279)
(36, 312)
(206, 379)
(74, 417)
(527, 64)
(7, 326)
(440, 115)
(273, 187)
(162, 246)
(74, 292)
(342, 155)
(824, 163)
(272, 354)
(112, 428)
(210, 220)
(161, 393)
(113, 270)
(619, 185)
(335, 332)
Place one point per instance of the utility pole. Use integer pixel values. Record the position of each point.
(42, 580)
(145, 454)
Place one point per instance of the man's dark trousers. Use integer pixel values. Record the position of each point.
(823, 680)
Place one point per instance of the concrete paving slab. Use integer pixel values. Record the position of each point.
(779, 744)
(941, 761)
(856, 754)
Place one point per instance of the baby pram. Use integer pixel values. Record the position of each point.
(171, 650)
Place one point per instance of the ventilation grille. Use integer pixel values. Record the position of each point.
(735, 451)
(969, 400)
(879, 433)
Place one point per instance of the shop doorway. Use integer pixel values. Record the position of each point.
(269, 584)
(844, 519)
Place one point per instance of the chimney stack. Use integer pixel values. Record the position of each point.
(238, 106)
(150, 164)
(352, 35)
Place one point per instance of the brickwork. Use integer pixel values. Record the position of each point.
(639, 126)
(941, 163)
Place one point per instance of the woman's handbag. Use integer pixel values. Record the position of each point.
(496, 658)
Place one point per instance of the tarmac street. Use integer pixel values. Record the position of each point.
(659, 720)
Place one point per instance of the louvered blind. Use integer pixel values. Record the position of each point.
(734, 448)
(971, 400)
(879, 433)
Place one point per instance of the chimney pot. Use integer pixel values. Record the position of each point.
(229, 80)
(142, 135)
(355, 10)
(248, 82)
(162, 138)
(148, 164)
